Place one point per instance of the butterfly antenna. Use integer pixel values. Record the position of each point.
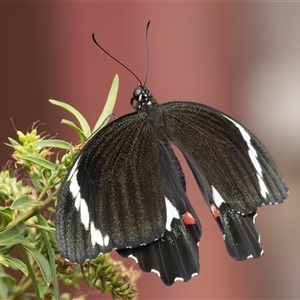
(94, 39)
(147, 52)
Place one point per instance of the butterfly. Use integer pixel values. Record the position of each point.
(126, 189)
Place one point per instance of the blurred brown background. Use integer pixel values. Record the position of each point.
(242, 58)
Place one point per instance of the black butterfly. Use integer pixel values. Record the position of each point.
(126, 189)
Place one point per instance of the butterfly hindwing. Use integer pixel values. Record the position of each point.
(112, 196)
(175, 255)
(240, 236)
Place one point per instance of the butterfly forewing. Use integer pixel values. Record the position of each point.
(230, 157)
(112, 196)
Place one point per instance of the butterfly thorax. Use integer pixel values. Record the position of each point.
(142, 99)
(144, 103)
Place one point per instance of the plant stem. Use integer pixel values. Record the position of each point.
(33, 211)
(21, 290)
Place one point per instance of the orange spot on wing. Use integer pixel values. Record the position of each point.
(214, 211)
(188, 218)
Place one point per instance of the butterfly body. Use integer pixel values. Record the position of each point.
(126, 189)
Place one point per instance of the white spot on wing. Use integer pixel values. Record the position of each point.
(97, 236)
(106, 240)
(217, 197)
(172, 213)
(263, 189)
(178, 279)
(254, 217)
(194, 274)
(133, 257)
(156, 272)
(74, 187)
(74, 169)
(79, 203)
(253, 156)
(84, 214)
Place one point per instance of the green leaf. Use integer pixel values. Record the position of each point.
(82, 136)
(52, 144)
(51, 255)
(7, 283)
(109, 105)
(42, 263)
(6, 211)
(13, 142)
(13, 235)
(18, 264)
(35, 180)
(3, 261)
(38, 161)
(30, 271)
(82, 121)
(6, 215)
(25, 202)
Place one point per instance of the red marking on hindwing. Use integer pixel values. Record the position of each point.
(188, 218)
(214, 211)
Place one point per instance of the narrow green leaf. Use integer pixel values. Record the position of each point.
(3, 261)
(38, 161)
(25, 202)
(18, 264)
(42, 263)
(52, 144)
(109, 105)
(30, 271)
(13, 142)
(82, 121)
(82, 136)
(51, 255)
(13, 235)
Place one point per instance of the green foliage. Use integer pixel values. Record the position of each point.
(26, 220)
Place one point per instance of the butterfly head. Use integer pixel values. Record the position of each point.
(141, 97)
